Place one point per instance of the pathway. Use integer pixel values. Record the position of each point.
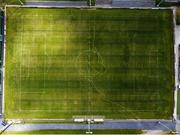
(126, 124)
(57, 3)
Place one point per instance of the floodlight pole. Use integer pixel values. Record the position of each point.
(21, 2)
(89, 127)
(1, 9)
(159, 3)
(6, 127)
(164, 126)
(90, 3)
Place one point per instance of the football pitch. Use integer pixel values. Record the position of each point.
(116, 63)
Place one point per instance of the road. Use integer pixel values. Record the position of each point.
(58, 4)
(176, 52)
(100, 3)
(130, 124)
(176, 61)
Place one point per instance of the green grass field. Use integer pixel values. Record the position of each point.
(115, 131)
(116, 63)
(178, 17)
(51, 0)
(178, 102)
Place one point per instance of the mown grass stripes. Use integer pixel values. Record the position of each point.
(63, 62)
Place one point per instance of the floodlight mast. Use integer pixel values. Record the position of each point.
(159, 3)
(21, 2)
(159, 122)
(1, 10)
(89, 127)
(90, 3)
